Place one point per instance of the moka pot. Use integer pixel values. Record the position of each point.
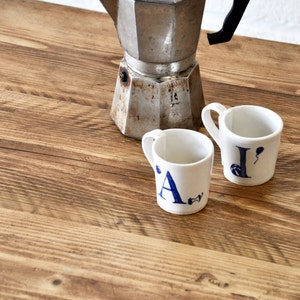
(159, 84)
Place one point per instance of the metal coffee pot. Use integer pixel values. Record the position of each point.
(159, 84)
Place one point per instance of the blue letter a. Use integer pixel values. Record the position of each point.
(171, 188)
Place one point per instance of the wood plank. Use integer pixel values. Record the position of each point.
(64, 260)
(83, 69)
(64, 54)
(253, 63)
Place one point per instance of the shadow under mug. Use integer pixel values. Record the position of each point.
(249, 139)
(182, 160)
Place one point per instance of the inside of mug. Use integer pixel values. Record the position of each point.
(252, 121)
(182, 147)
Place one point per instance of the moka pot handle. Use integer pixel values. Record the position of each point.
(230, 24)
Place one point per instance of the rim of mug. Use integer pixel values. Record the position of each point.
(261, 108)
(194, 132)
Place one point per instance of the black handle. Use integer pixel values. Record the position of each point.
(231, 22)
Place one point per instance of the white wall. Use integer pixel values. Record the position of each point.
(277, 20)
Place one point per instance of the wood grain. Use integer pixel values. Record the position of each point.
(78, 215)
(96, 263)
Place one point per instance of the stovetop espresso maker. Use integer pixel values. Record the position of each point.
(159, 84)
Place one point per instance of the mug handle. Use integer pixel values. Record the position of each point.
(208, 121)
(147, 142)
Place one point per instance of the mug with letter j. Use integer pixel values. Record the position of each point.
(249, 139)
(182, 160)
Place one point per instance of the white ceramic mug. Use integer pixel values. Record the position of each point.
(249, 138)
(182, 160)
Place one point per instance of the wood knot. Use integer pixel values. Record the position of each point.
(212, 279)
(57, 282)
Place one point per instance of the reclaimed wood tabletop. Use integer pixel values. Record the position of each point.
(78, 212)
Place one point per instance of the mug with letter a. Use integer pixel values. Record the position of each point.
(182, 160)
(249, 139)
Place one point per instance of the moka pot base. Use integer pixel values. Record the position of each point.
(142, 103)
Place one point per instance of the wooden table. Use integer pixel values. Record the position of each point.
(78, 213)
